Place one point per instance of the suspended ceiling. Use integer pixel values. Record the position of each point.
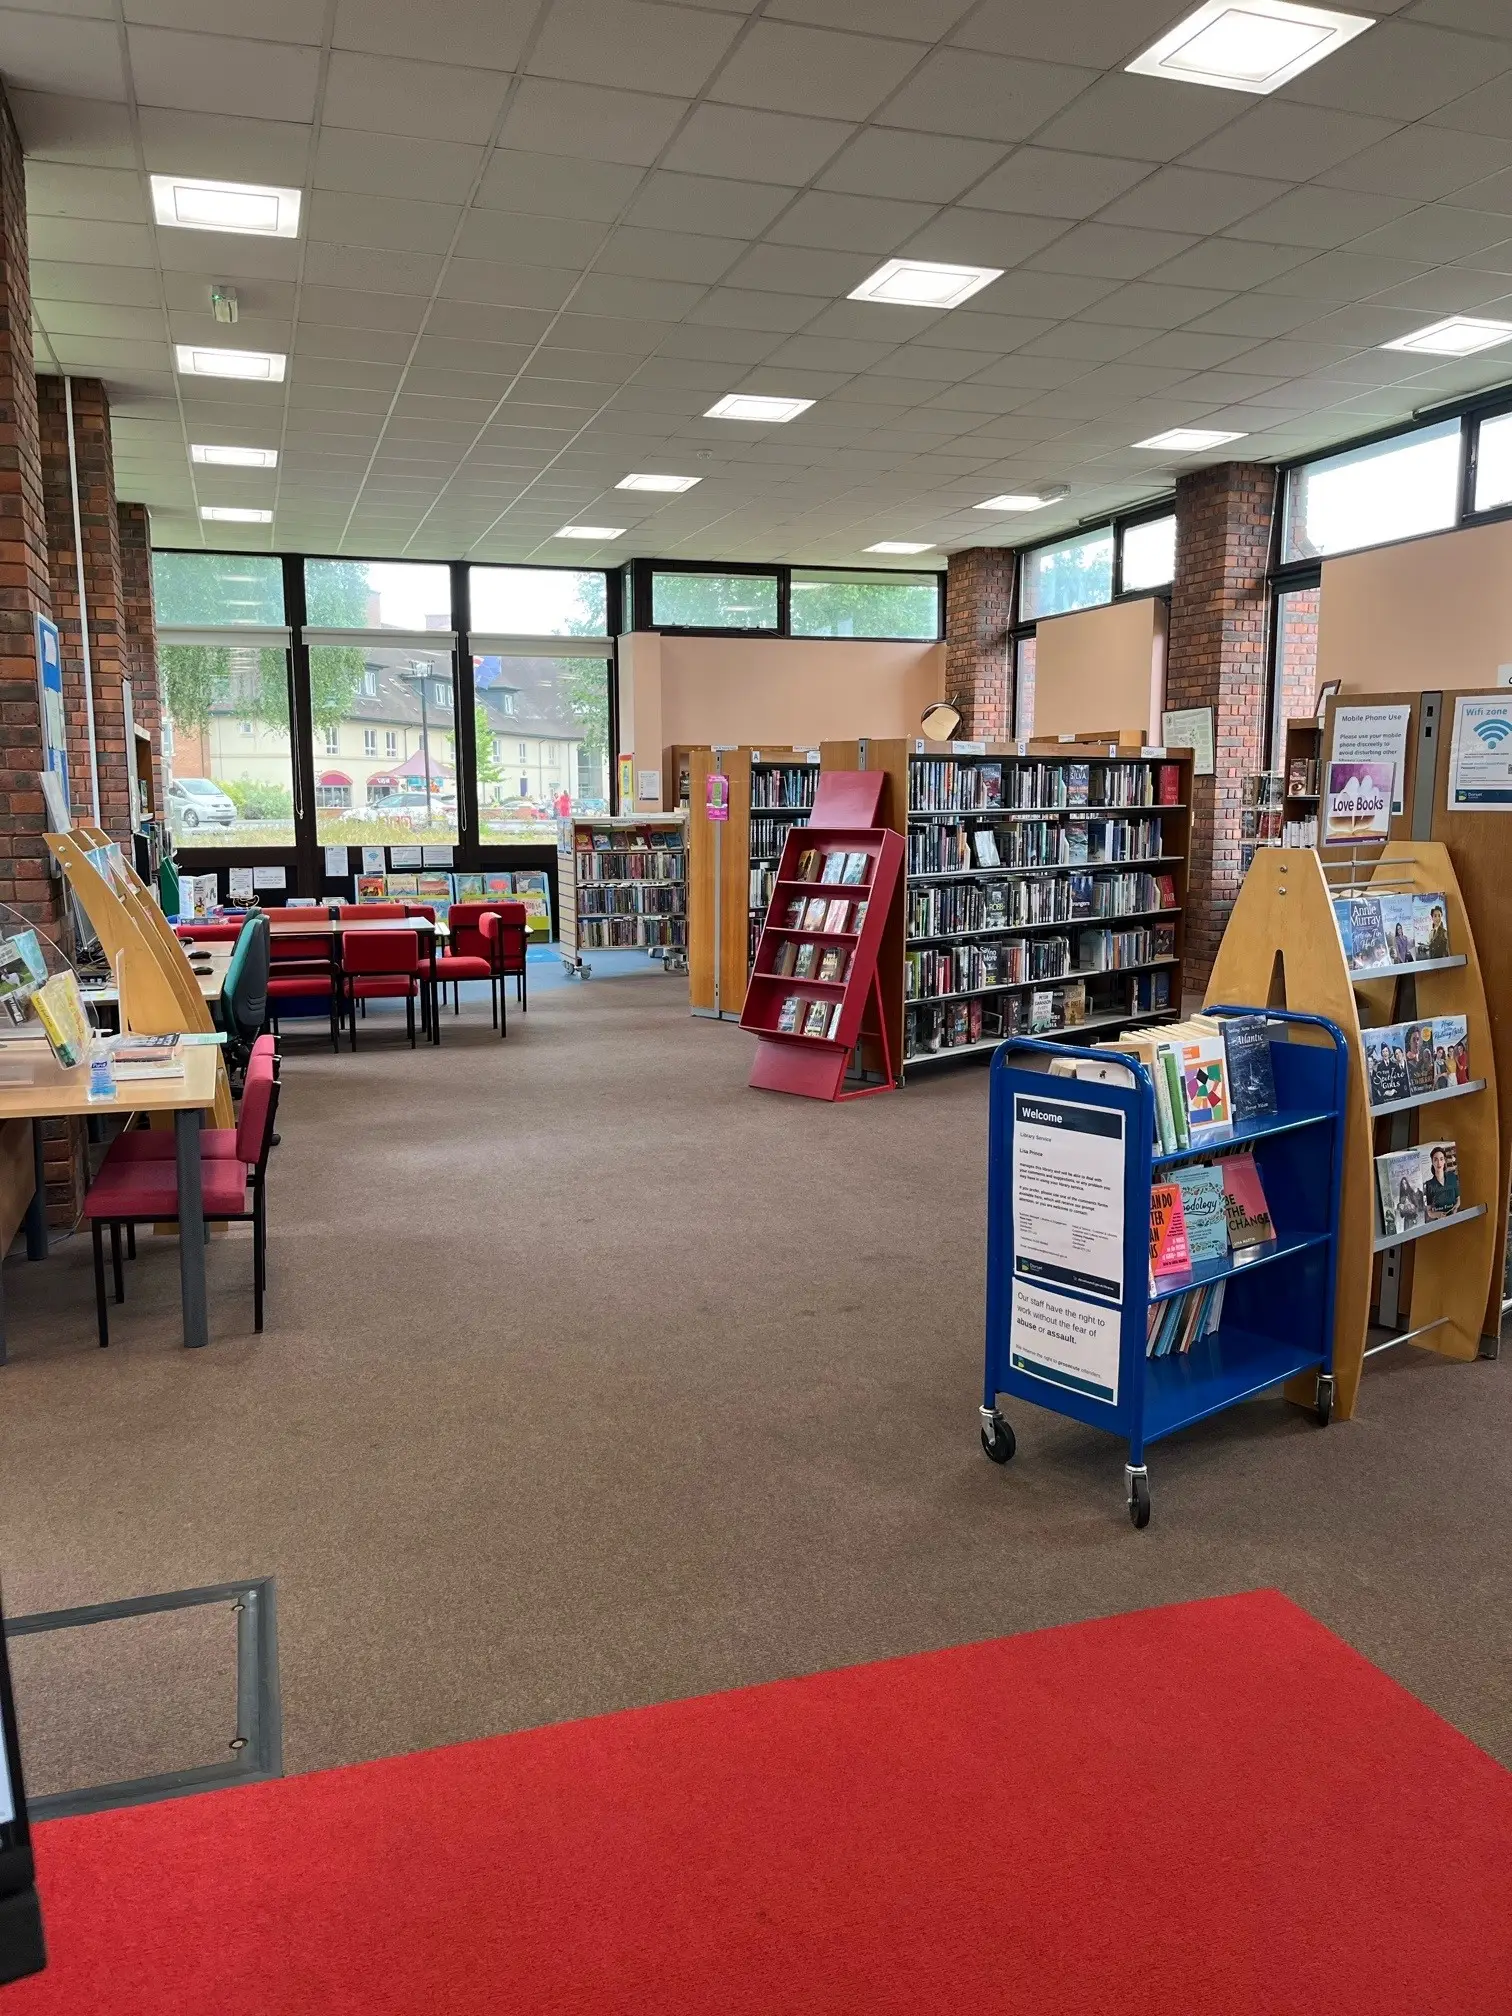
(540, 237)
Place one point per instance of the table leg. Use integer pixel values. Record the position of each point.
(186, 1132)
(435, 994)
(36, 1211)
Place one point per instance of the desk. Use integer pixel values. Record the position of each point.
(105, 994)
(322, 925)
(65, 1096)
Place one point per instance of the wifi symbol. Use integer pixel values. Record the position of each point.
(1493, 733)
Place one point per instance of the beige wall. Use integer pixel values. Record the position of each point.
(1414, 618)
(788, 691)
(1101, 668)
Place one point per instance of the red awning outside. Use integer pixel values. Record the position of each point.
(334, 777)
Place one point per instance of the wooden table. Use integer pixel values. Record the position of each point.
(105, 993)
(66, 1096)
(322, 925)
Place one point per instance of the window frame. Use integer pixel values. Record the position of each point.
(635, 579)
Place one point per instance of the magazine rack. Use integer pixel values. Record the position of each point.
(843, 820)
(1278, 1308)
(1283, 946)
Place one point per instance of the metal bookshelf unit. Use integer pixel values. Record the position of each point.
(622, 884)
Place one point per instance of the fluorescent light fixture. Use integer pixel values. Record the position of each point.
(591, 532)
(657, 482)
(754, 406)
(1253, 45)
(234, 514)
(1014, 502)
(922, 283)
(194, 205)
(200, 360)
(1458, 336)
(234, 458)
(898, 546)
(1188, 440)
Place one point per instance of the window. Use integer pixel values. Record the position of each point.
(377, 595)
(524, 752)
(210, 590)
(333, 741)
(389, 692)
(370, 741)
(714, 601)
(442, 697)
(1369, 496)
(507, 698)
(227, 755)
(1493, 463)
(498, 748)
(1023, 688)
(843, 604)
(1296, 683)
(538, 602)
(370, 683)
(1149, 554)
(1075, 573)
(391, 742)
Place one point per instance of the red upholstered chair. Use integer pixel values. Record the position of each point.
(217, 1144)
(470, 956)
(504, 928)
(218, 931)
(302, 968)
(146, 1193)
(383, 966)
(374, 912)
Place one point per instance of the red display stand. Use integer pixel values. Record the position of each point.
(814, 1066)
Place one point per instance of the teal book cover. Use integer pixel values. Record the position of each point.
(1206, 1219)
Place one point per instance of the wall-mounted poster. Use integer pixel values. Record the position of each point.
(1480, 756)
(1374, 735)
(1191, 728)
(50, 684)
(717, 795)
(1358, 804)
(627, 783)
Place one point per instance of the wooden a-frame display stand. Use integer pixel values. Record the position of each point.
(1282, 949)
(843, 821)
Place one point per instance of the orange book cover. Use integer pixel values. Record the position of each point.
(1169, 1252)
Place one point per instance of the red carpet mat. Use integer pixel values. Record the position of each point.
(1213, 1808)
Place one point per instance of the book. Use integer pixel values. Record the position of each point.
(1399, 927)
(1202, 1199)
(1386, 1063)
(372, 888)
(1169, 1252)
(1419, 1049)
(497, 882)
(469, 886)
(1417, 1185)
(1366, 947)
(1431, 934)
(1441, 1185)
(837, 916)
(1204, 1084)
(1247, 1052)
(1170, 1069)
(792, 915)
(1078, 783)
(60, 1009)
(1244, 1202)
(984, 847)
(23, 969)
(1451, 1051)
(1041, 1011)
(834, 868)
(816, 1019)
(809, 863)
(832, 965)
(834, 1022)
(787, 1014)
(403, 888)
(1168, 784)
(787, 957)
(856, 866)
(813, 915)
(803, 966)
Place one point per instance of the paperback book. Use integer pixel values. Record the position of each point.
(1247, 1053)
(1169, 1251)
(1417, 1185)
(1205, 1210)
(1248, 1213)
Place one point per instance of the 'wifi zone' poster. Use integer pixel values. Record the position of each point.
(1480, 756)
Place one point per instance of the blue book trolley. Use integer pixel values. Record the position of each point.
(1070, 1332)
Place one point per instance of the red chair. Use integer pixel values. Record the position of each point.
(210, 932)
(504, 928)
(376, 912)
(471, 956)
(217, 1144)
(383, 966)
(146, 1193)
(302, 967)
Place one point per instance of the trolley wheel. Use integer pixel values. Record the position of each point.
(1139, 1501)
(1325, 1398)
(999, 1444)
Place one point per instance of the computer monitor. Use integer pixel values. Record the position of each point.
(21, 1947)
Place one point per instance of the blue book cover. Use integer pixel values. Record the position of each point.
(1252, 1083)
(1206, 1218)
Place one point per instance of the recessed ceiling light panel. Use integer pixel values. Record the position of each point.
(1188, 440)
(591, 532)
(201, 360)
(898, 546)
(234, 514)
(234, 458)
(1458, 336)
(190, 204)
(756, 407)
(922, 283)
(669, 483)
(1013, 501)
(1249, 45)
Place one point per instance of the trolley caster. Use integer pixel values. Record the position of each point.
(998, 1442)
(1325, 1398)
(1139, 1495)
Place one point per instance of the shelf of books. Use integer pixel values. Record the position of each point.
(743, 803)
(1163, 1216)
(622, 883)
(1046, 892)
(1383, 947)
(1280, 807)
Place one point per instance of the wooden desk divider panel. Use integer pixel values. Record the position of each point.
(1282, 949)
(815, 1065)
(159, 993)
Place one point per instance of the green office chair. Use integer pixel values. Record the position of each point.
(244, 996)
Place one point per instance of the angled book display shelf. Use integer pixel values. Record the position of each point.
(815, 998)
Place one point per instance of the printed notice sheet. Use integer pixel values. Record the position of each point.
(1480, 756)
(1373, 735)
(1071, 1344)
(1068, 1185)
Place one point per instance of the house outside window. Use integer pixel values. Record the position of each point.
(333, 741)
(370, 683)
(391, 742)
(370, 741)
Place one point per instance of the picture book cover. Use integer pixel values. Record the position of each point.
(1202, 1199)
(809, 863)
(533, 890)
(1419, 1047)
(813, 916)
(431, 887)
(860, 917)
(1169, 1251)
(1247, 1052)
(1073, 1004)
(1166, 885)
(834, 868)
(837, 916)
(1399, 916)
(372, 889)
(787, 1015)
(1205, 1084)
(1399, 1184)
(1386, 1063)
(1451, 1052)
(1346, 935)
(469, 887)
(786, 959)
(1367, 935)
(1432, 928)
(497, 882)
(807, 958)
(403, 889)
(1249, 1219)
(816, 1020)
(856, 866)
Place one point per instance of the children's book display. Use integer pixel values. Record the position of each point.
(1162, 1224)
(441, 888)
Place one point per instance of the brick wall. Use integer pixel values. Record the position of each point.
(978, 654)
(25, 882)
(1216, 658)
(1296, 658)
(139, 632)
(102, 589)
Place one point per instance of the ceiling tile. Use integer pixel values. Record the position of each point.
(755, 146)
(983, 238)
(376, 346)
(873, 321)
(268, 20)
(556, 185)
(490, 33)
(754, 308)
(705, 204)
(1191, 199)
(366, 266)
(1482, 17)
(614, 294)
(535, 241)
(1087, 341)
(91, 132)
(785, 68)
(796, 269)
(220, 73)
(1191, 349)
(1105, 250)
(1025, 292)
(1488, 110)
(669, 255)
(85, 242)
(1135, 117)
(990, 97)
(923, 167)
(627, 335)
(849, 223)
(99, 318)
(1045, 182)
(581, 119)
(59, 189)
(725, 346)
(1342, 276)
(1317, 216)
(483, 282)
(1434, 235)
(827, 353)
(1101, 36)
(1423, 162)
(1230, 264)
(970, 329)
(43, 52)
(627, 44)
(1400, 71)
(1277, 137)
(427, 101)
(373, 164)
(242, 150)
(1155, 306)
(392, 224)
(1451, 290)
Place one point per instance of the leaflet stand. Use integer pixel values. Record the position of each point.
(844, 819)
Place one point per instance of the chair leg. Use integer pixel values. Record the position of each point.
(101, 1317)
(259, 1258)
(352, 1018)
(493, 1001)
(131, 1242)
(409, 1017)
(503, 1011)
(117, 1277)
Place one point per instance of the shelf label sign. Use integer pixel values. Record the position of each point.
(1480, 756)
(717, 795)
(1068, 1194)
(1067, 1343)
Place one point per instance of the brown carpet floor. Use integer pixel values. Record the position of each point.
(592, 1378)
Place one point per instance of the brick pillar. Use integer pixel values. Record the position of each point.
(26, 884)
(140, 633)
(1216, 658)
(102, 588)
(978, 650)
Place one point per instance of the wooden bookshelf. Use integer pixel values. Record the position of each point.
(622, 885)
(766, 792)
